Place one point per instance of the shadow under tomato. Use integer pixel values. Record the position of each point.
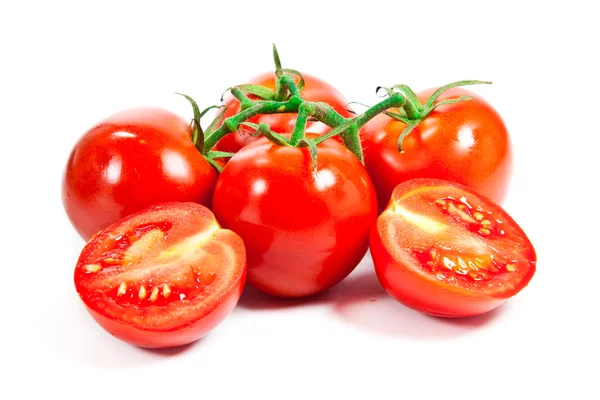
(386, 316)
(360, 300)
(169, 351)
(359, 286)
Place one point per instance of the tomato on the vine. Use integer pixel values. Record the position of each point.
(314, 89)
(162, 277)
(305, 227)
(443, 249)
(466, 142)
(129, 161)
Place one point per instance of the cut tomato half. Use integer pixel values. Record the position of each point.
(162, 277)
(443, 249)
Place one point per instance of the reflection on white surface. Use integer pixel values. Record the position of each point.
(324, 179)
(174, 164)
(113, 171)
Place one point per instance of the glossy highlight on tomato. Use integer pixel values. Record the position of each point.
(443, 249)
(315, 89)
(305, 227)
(162, 277)
(129, 161)
(466, 142)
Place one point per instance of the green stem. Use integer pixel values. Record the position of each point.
(244, 100)
(305, 110)
(290, 84)
(412, 107)
(261, 107)
(396, 100)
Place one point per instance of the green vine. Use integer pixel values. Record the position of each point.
(287, 98)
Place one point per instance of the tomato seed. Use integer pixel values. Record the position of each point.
(511, 267)
(93, 267)
(154, 294)
(122, 289)
(460, 213)
(142, 293)
(166, 291)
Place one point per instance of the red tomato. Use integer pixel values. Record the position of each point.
(162, 277)
(305, 228)
(130, 161)
(314, 90)
(466, 142)
(443, 249)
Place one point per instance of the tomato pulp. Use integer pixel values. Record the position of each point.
(305, 227)
(162, 277)
(129, 161)
(443, 249)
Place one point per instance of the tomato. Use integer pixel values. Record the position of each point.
(130, 161)
(466, 142)
(162, 277)
(305, 228)
(314, 89)
(443, 249)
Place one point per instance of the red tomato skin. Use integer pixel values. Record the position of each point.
(301, 239)
(315, 89)
(172, 338)
(212, 314)
(412, 290)
(129, 161)
(466, 142)
(418, 294)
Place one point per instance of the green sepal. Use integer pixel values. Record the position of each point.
(258, 91)
(197, 135)
(265, 130)
(406, 131)
(401, 116)
(220, 154)
(335, 131)
(426, 111)
(213, 163)
(216, 122)
(276, 58)
(437, 93)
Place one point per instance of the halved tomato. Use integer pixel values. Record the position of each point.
(443, 249)
(162, 277)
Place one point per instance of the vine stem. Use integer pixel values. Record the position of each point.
(289, 100)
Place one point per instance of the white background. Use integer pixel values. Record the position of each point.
(66, 66)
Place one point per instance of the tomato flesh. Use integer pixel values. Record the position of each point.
(162, 277)
(443, 249)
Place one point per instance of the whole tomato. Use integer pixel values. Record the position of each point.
(466, 142)
(129, 161)
(314, 89)
(305, 227)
